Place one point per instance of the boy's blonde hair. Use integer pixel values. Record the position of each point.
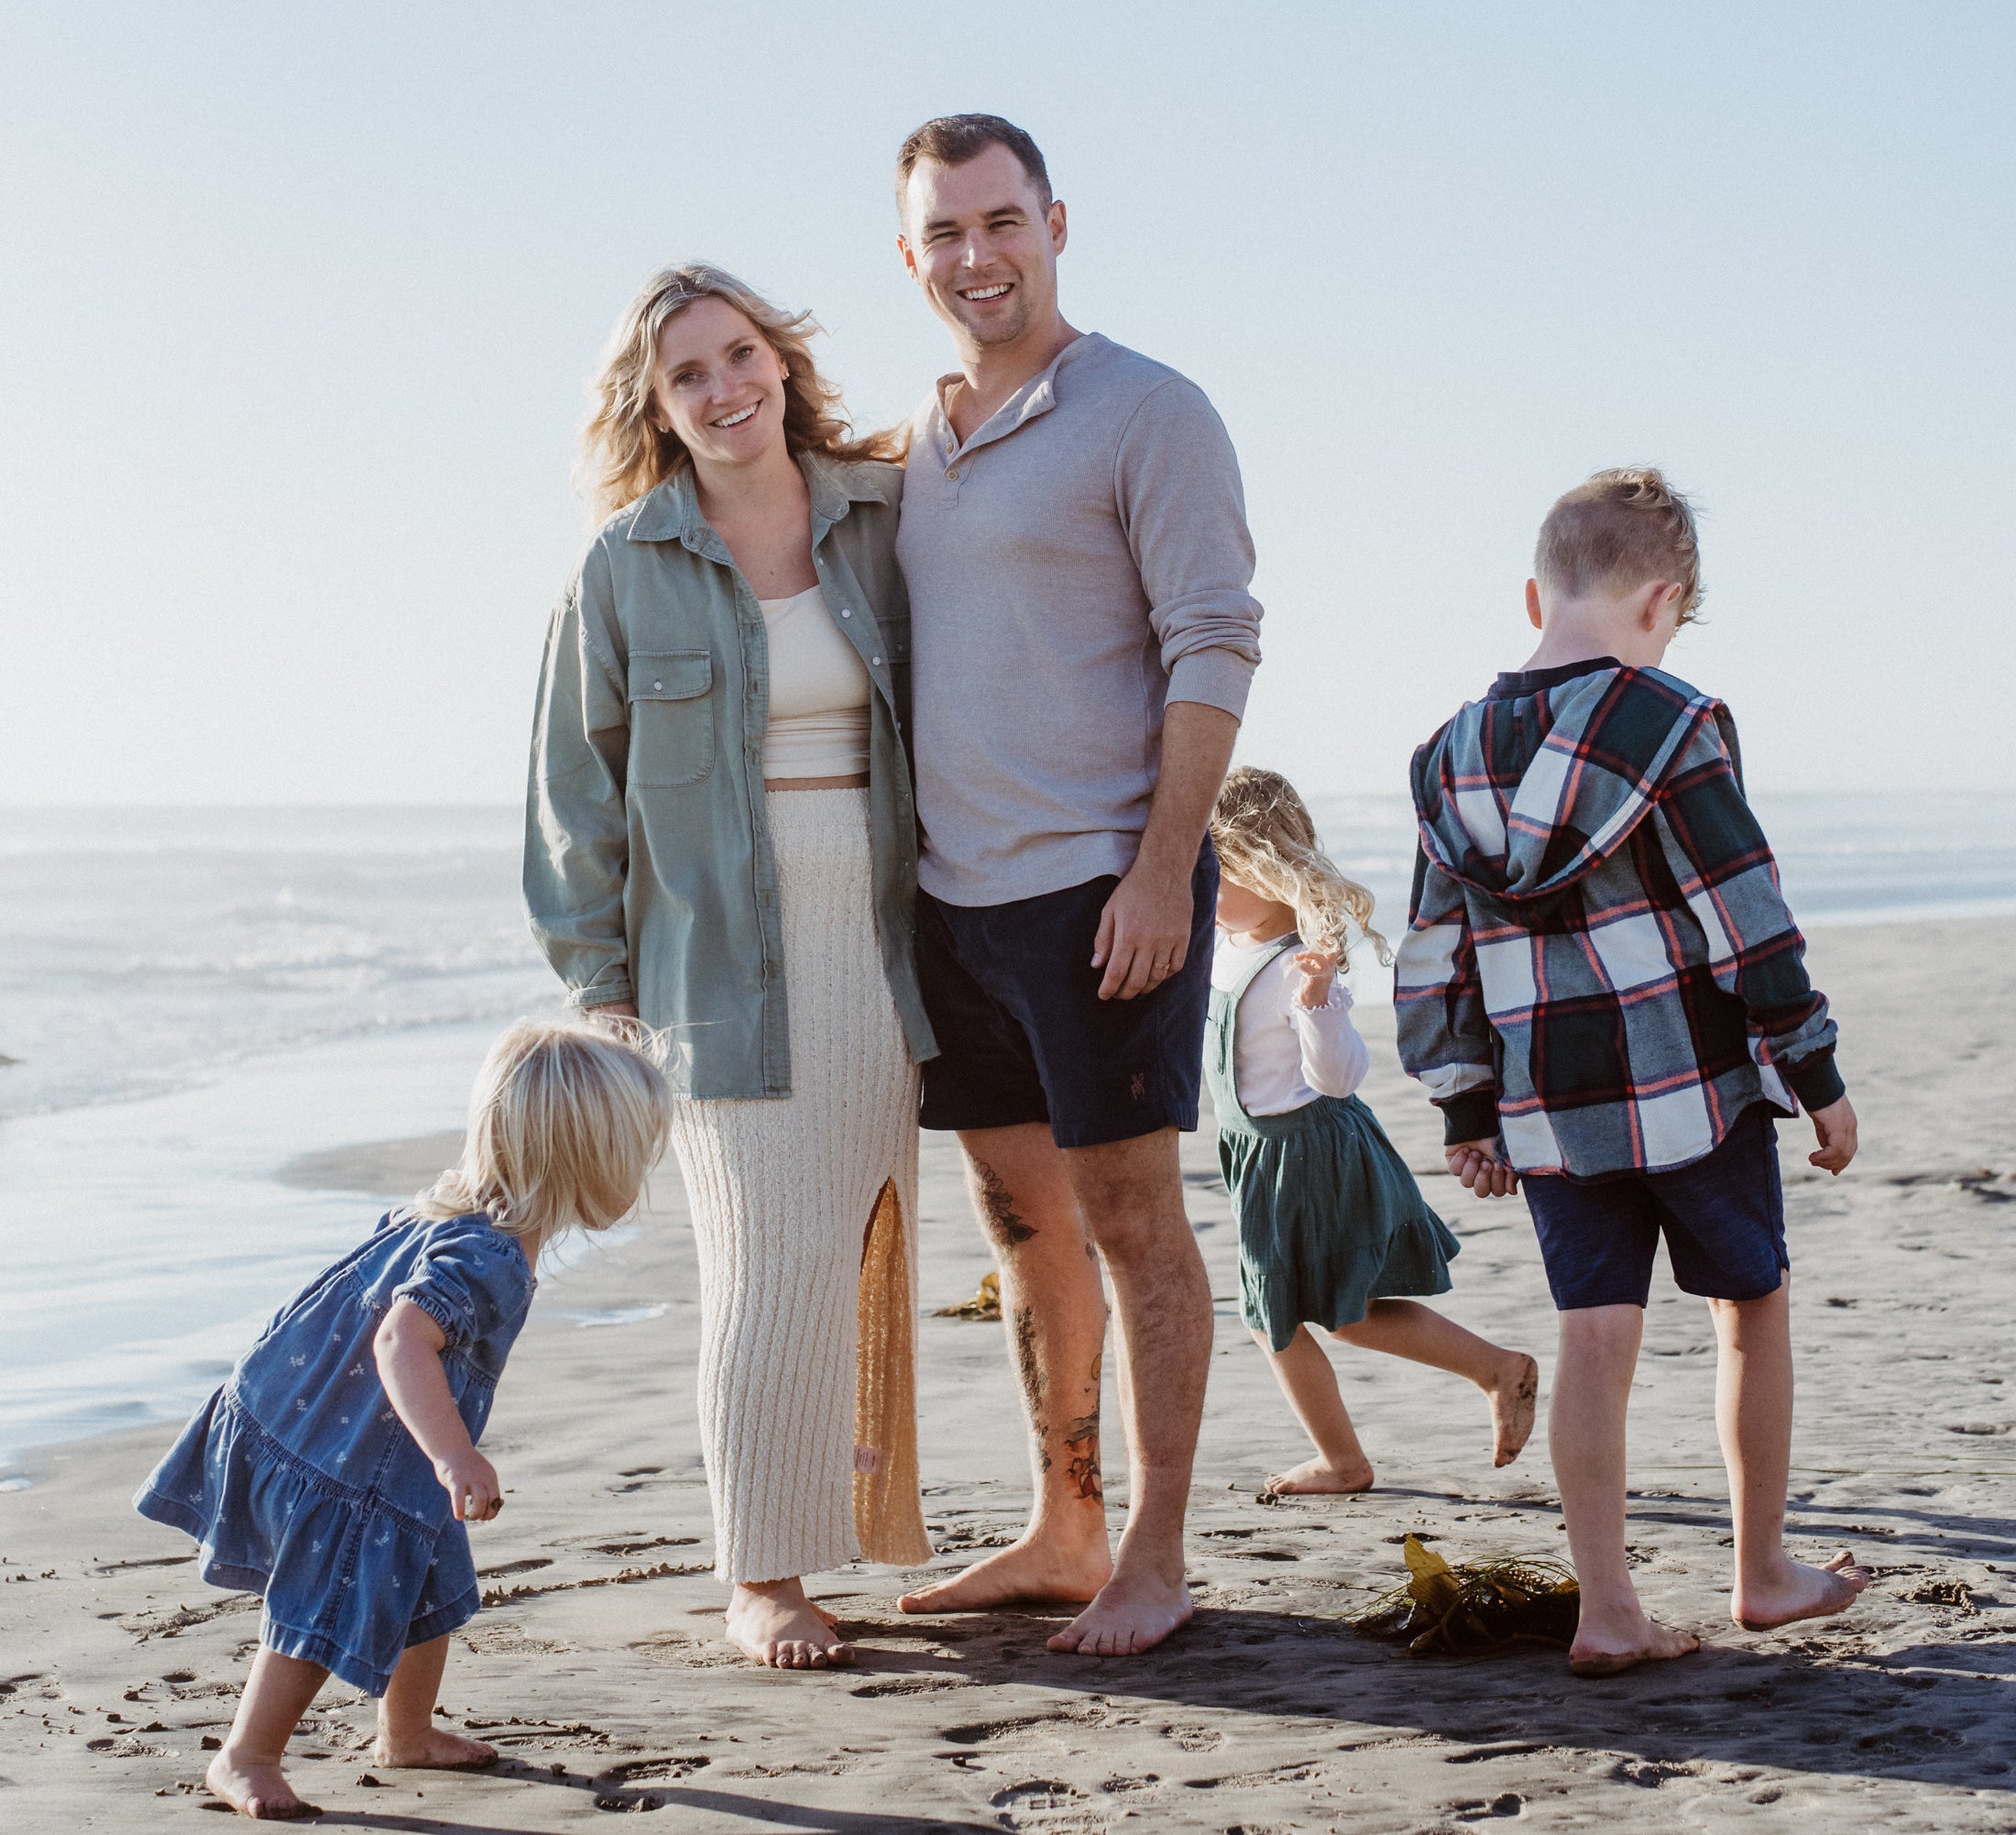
(1266, 842)
(1620, 528)
(565, 1125)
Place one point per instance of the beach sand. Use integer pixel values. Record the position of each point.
(601, 1672)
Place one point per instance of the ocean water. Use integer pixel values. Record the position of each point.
(190, 998)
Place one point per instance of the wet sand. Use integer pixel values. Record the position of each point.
(599, 1671)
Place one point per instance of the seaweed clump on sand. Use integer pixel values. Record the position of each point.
(1477, 1608)
(985, 1302)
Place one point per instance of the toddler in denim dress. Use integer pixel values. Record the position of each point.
(335, 1470)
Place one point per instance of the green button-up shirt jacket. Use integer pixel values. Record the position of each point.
(649, 870)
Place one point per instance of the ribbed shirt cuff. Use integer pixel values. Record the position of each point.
(1815, 1080)
(1219, 679)
(1472, 1116)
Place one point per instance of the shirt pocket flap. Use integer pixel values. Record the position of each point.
(670, 675)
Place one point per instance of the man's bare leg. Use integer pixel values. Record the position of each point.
(1599, 1348)
(1754, 1413)
(1054, 1313)
(1130, 1194)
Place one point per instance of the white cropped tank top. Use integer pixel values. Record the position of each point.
(818, 692)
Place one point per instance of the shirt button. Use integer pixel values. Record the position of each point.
(846, 612)
(876, 661)
(953, 474)
(658, 684)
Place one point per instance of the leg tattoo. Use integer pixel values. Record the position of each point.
(997, 1208)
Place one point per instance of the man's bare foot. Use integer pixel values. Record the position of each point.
(1128, 1617)
(774, 1623)
(437, 1749)
(1610, 1650)
(1319, 1478)
(257, 1789)
(1514, 1398)
(1799, 1592)
(1027, 1571)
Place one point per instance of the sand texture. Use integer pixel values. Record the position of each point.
(599, 1670)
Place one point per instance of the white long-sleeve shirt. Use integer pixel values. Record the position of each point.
(1285, 1055)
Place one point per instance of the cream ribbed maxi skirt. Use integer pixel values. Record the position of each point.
(803, 1211)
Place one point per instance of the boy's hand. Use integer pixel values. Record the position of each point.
(1475, 1166)
(1835, 1128)
(470, 1480)
(1319, 969)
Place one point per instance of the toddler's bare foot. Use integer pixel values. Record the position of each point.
(774, 1623)
(1026, 1570)
(1610, 1649)
(257, 1789)
(1318, 1478)
(1514, 1398)
(1799, 1592)
(437, 1749)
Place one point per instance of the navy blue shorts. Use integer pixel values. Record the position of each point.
(1024, 1036)
(1723, 1218)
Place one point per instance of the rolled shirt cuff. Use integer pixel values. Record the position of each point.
(1472, 1116)
(1815, 1080)
(602, 994)
(1217, 677)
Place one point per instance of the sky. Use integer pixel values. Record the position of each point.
(297, 304)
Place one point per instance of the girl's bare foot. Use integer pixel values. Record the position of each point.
(437, 1749)
(1602, 1649)
(774, 1623)
(1799, 1592)
(1514, 1398)
(1318, 1478)
(256, 1787)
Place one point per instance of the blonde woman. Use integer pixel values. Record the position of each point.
(1333, 1228)
(720, 842)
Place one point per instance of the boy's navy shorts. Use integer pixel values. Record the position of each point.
(1723, 1217)
(1024, 1036)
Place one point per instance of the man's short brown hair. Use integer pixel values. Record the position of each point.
(953, 139)
(1619, 530)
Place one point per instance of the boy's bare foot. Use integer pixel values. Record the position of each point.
(1128, 1617)
(437, 1749)
(774, 1623)
(255, 1789)
(1801, 1592)
(1027, 1571)
(1514, 1398)
(1610, 1650)
(1319, 1478)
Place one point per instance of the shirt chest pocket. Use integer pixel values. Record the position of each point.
(672, 717)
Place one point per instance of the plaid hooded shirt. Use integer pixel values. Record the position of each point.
(1599, 968)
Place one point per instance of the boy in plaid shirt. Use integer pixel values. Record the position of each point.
(1603, 990)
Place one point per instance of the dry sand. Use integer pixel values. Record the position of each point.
(599, 1669)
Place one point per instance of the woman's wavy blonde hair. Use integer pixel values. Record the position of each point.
(1268, 844)
(624, 453)
(566, 1123)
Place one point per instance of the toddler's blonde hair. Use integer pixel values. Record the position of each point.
(566, 1123)
(1266, 842)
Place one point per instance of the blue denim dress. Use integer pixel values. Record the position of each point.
(302, 1483)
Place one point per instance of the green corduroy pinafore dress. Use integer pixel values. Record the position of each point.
(1330, 1218)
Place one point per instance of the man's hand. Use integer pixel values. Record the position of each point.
(1144, 932)
(1319, 969)
(1835, 1128)
(1475, 1166)
(470, 1480)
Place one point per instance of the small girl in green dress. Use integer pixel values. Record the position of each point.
(1333, 1228)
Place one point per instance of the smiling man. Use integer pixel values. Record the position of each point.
(1075, 541)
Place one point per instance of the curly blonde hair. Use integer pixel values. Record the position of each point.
(1266, 842)
(623, 455)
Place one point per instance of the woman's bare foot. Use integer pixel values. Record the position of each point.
(1131, 1614)
(1514, 1399)
(1318, 1477)
(437, 1749)
(774, 1623)
(1028, 1570)
(1604, 1649)
(1799, 1592)
(256, 1788)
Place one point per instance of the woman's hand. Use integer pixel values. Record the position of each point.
(1319, 969)
(1475, 1166)
(470, 1480)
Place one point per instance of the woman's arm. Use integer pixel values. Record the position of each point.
(407, 1349)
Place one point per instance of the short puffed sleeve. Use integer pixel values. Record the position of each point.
(472, 1280)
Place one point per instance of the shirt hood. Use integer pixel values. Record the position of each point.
(1585, 757)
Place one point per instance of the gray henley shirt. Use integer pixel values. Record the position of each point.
(1079, 561)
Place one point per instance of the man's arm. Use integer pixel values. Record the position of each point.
(1144, 931)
